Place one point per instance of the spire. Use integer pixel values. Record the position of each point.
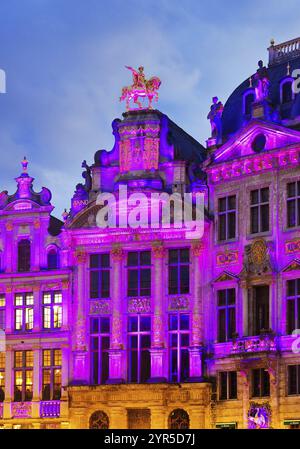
(24, 181)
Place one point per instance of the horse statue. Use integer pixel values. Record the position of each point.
(140, 88)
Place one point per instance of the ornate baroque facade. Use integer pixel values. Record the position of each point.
(142, 327)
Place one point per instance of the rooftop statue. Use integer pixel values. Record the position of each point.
(140, 88)
(261, 82)
(215, 118)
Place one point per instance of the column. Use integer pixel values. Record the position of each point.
(9, 381)
(158, 290)
(64, 402)
(9, 253)
(9, 309)
(245, 305)
(116, 353)
(37, 316)
(80, 354)
(197, 313)
(37, 388)
(66, 304)
(35, 246)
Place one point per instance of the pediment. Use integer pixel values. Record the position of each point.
(226, 276)
(293, 265)
(255, 138)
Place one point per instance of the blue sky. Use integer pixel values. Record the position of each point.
(64, 62)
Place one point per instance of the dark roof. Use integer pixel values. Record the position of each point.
(55, 226)
(233, 117)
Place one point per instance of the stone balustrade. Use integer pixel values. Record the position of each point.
(266, 342)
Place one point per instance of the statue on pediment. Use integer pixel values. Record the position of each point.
(141, 87)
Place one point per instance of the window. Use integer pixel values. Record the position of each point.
(261, 313)
(286, 91)
(293, 305)
(23, 376)
(2, 376)
(260, 383)
(52, 310)
(179, 419)
(24, 255)
(23, 311)
(139, 343)
(52, 259)
(139, 273)
(51, 373)
(293, 379)
(99, 276)
(99, 420)
(259, 210)
(2, 312)
(227, 385)
(293, 204)
(226, 314)
(179, 341)
(179, 271)
(100, 343)
(227, 218)
(248, 101)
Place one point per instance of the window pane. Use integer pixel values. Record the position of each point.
(223, 385)
(173, 322)
(133, 259)
(184, 279)
(291, 213)
(145, 258)
(184, 321)
(222, 227)
(264, 218)
(292, 379)
(105, 325)
(254, 220)
(231, 225)
(145, 323)
(222, 325)
(265, 195)
(184, 255)
(291, 189)
(254, 196)
(132, 324)
(222, 204)
(232, 385)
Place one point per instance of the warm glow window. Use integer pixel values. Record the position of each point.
(2, 312)
(23, 311)
(52, 310)
(179, 271)
(226, 314)
(51, 374)
(23, 376)
(139, 273)
(2, 376)
(99, 276)
(99, 349)
(139, 343)
(259, 210)
(179, 341)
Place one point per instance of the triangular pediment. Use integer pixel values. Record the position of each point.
(293, 265)
(255, 138)
(226, 276)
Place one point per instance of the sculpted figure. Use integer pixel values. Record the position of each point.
(215, 118)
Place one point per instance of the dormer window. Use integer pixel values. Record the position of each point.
(52, 259)
(249, 98)
(286, 91)
(24, 255)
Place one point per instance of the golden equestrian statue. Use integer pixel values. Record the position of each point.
(140, 88)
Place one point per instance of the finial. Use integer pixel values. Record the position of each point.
(24, 164)
(250, 81)
(272, 41)
(65, 215)
(288, 67)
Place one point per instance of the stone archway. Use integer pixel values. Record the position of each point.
(179, 419)
(99, 420)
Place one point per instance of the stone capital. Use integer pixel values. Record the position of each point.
(117, 254)
(158, 250)
(196, 249)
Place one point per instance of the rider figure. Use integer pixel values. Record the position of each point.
(139, 80)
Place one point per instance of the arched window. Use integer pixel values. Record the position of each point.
(24, 255)
(99, 420)
(248, 101)
(52, 259)
(286, 94)
(179, 419)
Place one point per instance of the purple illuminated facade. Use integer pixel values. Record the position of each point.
(145, 328)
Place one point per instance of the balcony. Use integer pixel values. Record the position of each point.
(50, 409)
(263, 343)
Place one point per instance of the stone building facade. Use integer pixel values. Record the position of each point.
(150, 326)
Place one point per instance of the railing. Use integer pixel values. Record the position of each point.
(50, 409)
(284, 51)
(266, 342)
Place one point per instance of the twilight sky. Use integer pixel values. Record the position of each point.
(64, 62)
